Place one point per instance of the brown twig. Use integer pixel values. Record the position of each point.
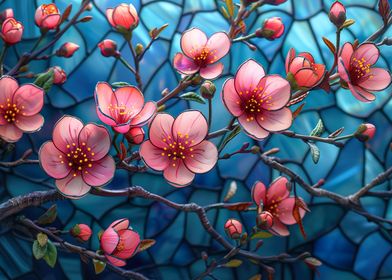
(22, 160)
(306, 138)
(183, 84)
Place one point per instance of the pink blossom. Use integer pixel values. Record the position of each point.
(124, 16)
(200, 53)
(47, 16)
(355, 68)
(11, 31)
(337, 14)
(119, 242)
(233, 228)
(82, 232)
(272, 28)
(108, 48)
(305, 71)
(67, 49)
(19, 109)
(60, 77)
(77, 157)
(178, 147)
(123, 108)
(258, 100)
(276, 201)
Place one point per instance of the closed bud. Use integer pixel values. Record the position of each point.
(233, 228)
(81, 232)
(135, 135)
(67, 49)
(139, 49)
(59, 75)
(197, 80)
(365, 132)
(264, 220)
(272, 29)
(207, 89)
(47, 16)
(204, 256)
(337, 14)
(108, 48)
(11, 31)
(255, 149)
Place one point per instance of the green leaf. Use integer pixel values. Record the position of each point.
(49, 216)
(330, 45)
(120, 84)
(38, 251)
(348, 23)
(154, 33)
(319, 129)
(145, 244)
(314, 150)
(261, 235)
(233, 263)
(51, 254)
(45, 80)
(99, 266)
(42, 239)
(193, 96)
(230, 137)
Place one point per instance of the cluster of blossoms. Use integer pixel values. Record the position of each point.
(78, 156)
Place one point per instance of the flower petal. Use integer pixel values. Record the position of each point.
(218, 45)
(279, 228)
(369, 52)
(275, 120)
(120, 224)
(231, 99)
(97, 138)
(178, 176)
(109, 240)
(30, 123)
(148, 111)
(53, 161)
(114, 261)
(276, 90)
(160, 128)
(104, 100)
(211, 71)
(101, 172)
(109, 15)
(72, 186)
(285, 210)
(152, 156)
(8, 87)
(130, 98)
(289, 58)
(50, 21)
(30, 99)
(123, 128)
(192, 41)
(205, 156)
(259, 192)
(346, 54)
(361, 94)
(192, 125)
(184, 65)
(131, 241)
(278, 190)
(66, 132)
(248, 76)
(252, 127)
(378, 79)
(10, 133)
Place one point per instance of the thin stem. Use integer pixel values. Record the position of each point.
(209, 112)
(2, 55)
(41, 37)
(332, 141)
(126, 64)
(244, 38)
(136, 61)
(379, 32)
(336, 54)
(183, 84)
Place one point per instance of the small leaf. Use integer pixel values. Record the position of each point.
(42, 239)
(255, 277)
(261, 235)
(348, 23)
(231, 192)
(38, 251)
(336, 133)
(120, 84)
(230, 137)
(330, 45)
(299, 204)
(239, 206)
(154, 33)
(224, 12)
(193, 96)
(319, 129)
(230, 7)
(51, 254)
(99, 266)
(385, 10)
(145, 244)
(49, 216)
(66, 13)
(45, 80)
(298, 110)
(233, 263)
(86, 19)
(313, 261)
(314, 150)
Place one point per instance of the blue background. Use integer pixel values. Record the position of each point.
(348, 245)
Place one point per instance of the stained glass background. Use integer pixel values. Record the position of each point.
(348, 245)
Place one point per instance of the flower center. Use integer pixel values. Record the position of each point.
(120, 246)
(359, 68)
(204, 57)
(78, 158)
(178, 150)
(120, 112)
(254, 102)
(49, 9)
(10, 111)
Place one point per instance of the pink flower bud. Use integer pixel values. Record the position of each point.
(67, 49)
(208, 89)
(274, 2)
(47, 16)
(123, 16)
(81, 232)
(59, 75)
(108, 48)
(272, 29)
(337, 14)
(11, 31)
(233, 228)
(365, 132)
(7, 13)
(264, 220)
(135, 135)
